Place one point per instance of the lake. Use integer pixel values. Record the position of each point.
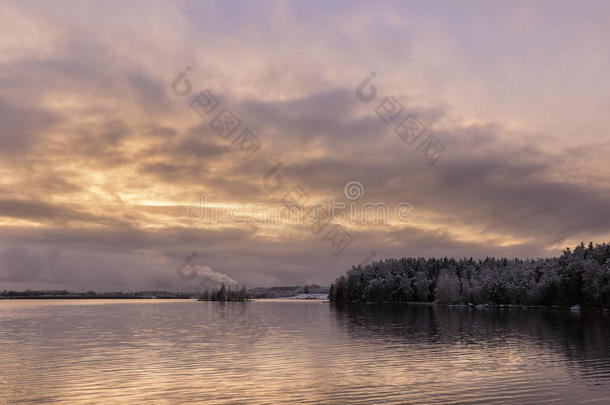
(281, 351)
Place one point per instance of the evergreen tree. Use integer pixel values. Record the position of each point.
(581, 276)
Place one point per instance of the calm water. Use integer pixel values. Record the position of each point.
(149, 351)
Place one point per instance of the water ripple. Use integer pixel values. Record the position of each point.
(276, 352)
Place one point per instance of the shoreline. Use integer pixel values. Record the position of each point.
(574, 308)
(77, 297)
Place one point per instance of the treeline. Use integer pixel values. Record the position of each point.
(225, 294)
(281, 292)
(578, 277)
(43, 294)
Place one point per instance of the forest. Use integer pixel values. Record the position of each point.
(578, 277)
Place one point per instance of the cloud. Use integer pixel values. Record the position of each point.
(22, 127)
(99, 159)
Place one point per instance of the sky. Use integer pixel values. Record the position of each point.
(119, 163)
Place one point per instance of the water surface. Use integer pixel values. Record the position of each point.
(177, 351)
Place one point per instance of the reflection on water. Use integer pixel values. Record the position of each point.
(95, 351)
